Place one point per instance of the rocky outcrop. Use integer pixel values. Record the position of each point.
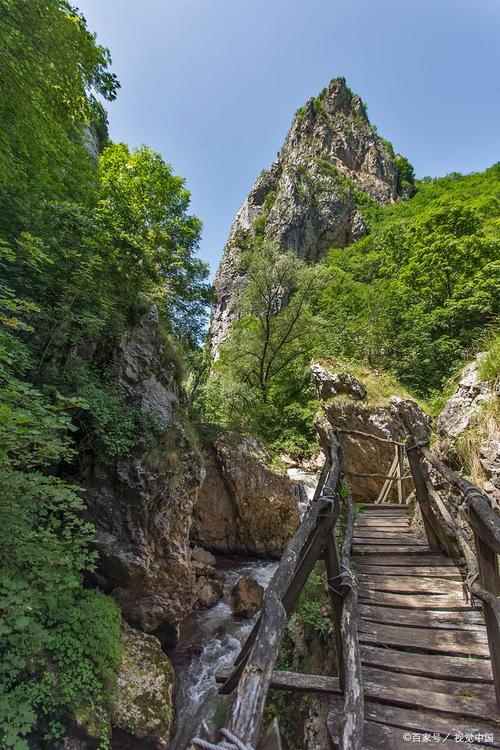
(244, 506)
(246, 597)
(469, 431)
(393, 418)
(141, 706)
(340, 381)
(308, 200)
(141, 505)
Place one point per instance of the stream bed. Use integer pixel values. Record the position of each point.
(211, 639)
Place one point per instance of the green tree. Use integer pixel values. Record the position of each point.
(144, 210)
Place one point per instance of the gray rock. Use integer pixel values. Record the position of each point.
(396, 418)
(200, 555)
(464, 410)
(244, 506)
(141, 704)
(306, 199)
(141, 505)
(246, 597)
(332, 382)
(461, 409)
(208, 592)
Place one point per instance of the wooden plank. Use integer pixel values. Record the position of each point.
(335, 593)
(468, 708)
(406, 584)
(383, 534)
(294, 682)
(428, 665)
(386, 507)
(444, 572)
(393, 718)
(395, 680)
(430, 722)
(367, 541)
(443, 620)
(411, 560)
(425, 640)
(375, 549)
(415, 601)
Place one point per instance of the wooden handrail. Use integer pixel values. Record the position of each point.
(485, 524)
(254, 667)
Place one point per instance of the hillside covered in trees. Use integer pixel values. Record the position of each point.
(93, 237)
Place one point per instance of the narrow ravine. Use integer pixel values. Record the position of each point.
(209, 640)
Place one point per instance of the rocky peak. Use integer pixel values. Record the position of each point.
(307, 201)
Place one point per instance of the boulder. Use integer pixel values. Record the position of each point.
(393, 418)
(141, 504)
(467, 422)
(334, 380)
(200, 555)
(141, 704)
(246, 597)
(208, 592)
(464, 405)
(244, 506)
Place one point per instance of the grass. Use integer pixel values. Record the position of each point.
(489, 368)
(380, 386)
(485, 426)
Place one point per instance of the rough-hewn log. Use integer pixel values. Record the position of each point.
(490, 582)
(246, 713)
(336, 595)
(351, 735)
(485, 522)
(295, 682)
(418, 472)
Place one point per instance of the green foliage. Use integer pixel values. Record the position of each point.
(313, 607)
(60, 644)
(406, 173)
(414, 296)
(489, 368)
(85, 248)
(260, 383)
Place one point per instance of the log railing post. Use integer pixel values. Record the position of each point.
(336, 597)
(489, 578)
(422, 493)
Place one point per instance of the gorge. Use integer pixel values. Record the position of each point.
(154, 464)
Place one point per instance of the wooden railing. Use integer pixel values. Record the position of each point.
(444, 531)
(253, 671)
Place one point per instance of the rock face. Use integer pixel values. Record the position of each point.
(141, 703)
(465, 411)
(330, 383)
(394, 418)
(246, 597)
(307, 201)
(141, 505)
(244, 506)
(462, 408)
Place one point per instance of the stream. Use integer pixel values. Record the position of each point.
(211, 639)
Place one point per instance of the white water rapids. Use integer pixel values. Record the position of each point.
(211, 639)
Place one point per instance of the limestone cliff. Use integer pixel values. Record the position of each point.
(307, 201)
(141, 504)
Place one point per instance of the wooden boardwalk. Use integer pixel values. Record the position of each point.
(424, 650)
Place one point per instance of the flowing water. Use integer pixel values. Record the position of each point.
(211, 639)
(218, 636)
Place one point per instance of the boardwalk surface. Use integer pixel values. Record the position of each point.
(424, 650)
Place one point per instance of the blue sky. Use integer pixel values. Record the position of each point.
(213, 84)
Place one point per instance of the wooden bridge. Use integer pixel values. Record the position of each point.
(417, 623)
